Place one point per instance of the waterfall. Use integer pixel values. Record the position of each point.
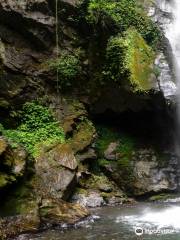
(170, 22)
(173, 34)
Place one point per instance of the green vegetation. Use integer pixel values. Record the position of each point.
(130, 58)
(68, 67)
(161, 197)
(37, 126)
(125, 147)
(121, 166)
(124, 14)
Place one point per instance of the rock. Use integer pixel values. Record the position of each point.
(152, 175)
(13, 226)
(13, 163)
(92, 199)
(29, 13)
(72, 2)
(113, 201)
(20, 157)
(147, 172)
(3, 145)
(51, 212)
(83, 137)
(57, 212)
(70, 113)
(110, 153)
(105, 188)
(37, 201)
(88, 155)
(56, 171)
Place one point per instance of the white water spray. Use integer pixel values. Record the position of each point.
(154, 219)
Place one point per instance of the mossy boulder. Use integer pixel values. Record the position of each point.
(56, 211)
(130, 61)
(83, 136)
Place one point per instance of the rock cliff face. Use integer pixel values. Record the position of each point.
(93, 165)
(28, 43)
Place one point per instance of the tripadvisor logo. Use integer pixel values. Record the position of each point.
(139, 231)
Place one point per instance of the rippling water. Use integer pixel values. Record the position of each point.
(150, 220)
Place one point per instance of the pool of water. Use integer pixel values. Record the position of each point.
(148, 221)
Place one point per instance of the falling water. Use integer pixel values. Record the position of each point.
(171, 9)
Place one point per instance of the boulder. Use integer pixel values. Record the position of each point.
(83, 136)
(92, 199)
(12, 163)
(90, 154)
(154, 174)
(146, 173)
(110, 153)
(57, 212)
(56, 171)
(13, 226)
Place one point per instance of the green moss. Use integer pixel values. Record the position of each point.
(160, 197)
(122, 165)
(37, 126)
(21, 200)
(105, 137)
(108, 135)
(3, 180)
(83, 135)
(81, 191)
(130, 58)
(6, 179)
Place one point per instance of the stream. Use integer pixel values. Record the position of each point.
(140, 221)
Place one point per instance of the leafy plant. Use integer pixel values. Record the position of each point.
(125, 14)
(68, 68)
(37, 126)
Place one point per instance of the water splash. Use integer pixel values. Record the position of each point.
(159, 218)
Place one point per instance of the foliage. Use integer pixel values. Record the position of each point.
(37, 126)
(130, 57)
(68, 68)
(125, 14)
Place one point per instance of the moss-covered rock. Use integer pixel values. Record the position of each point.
(54, 211)
(83, 136)
(131, 59)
